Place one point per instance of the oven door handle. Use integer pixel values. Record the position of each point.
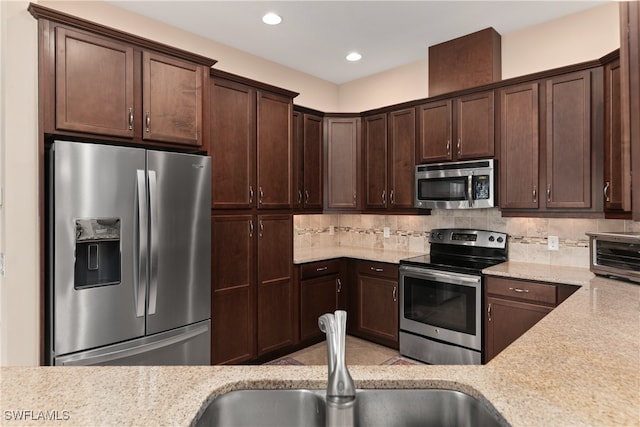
(449, 277)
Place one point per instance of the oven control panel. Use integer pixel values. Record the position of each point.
(468, 237)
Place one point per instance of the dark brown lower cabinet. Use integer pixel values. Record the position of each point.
(513, 306)
(376, 302)
(320, 290)
(252, 304)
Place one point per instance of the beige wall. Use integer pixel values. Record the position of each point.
(575, 38)
(19, 289)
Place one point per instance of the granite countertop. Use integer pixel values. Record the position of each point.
(580, 365)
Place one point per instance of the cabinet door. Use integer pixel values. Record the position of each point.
(507, 320)
(317, 297)
(233, 306)
(434, 132)
(568, 145)
(475, 126)
(298, 159)
(274, 150)
(172, 100)
(375, 161)
(275, 282)
(94, 84)
(312, 137)
(401, 158)
(341, 153)
(378, 308)
(617, 153)
(519, 144)
(232, 145)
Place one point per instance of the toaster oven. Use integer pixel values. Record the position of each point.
(615, 254)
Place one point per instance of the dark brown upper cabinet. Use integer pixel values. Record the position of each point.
(459, 128)
(617, 152)
(342, 147)
(389, 159)
(307, 144)
(99, 82)
(251, 145)
(549, 131)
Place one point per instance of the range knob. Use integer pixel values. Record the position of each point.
(439, 236)
(500, 240)
(491, 238)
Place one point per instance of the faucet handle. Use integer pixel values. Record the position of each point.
(326, 323)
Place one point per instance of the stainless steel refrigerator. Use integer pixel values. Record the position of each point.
(129, 255)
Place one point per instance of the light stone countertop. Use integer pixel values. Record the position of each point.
(580, 366)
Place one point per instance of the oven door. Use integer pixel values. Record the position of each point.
(442, 305)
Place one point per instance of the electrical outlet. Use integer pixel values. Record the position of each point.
(386, 232)
(553, 243)
(332, 230)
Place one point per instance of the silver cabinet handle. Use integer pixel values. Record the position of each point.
(261, 233)
(299, 197)
(339, 283)
(250, 194)
(322, 268)
(392, 197)
(448, 147)
(148, 122)
(489, 312)
(384, 197)
(606, 191)
(535, 193)
(130, 118)
(548, 192)
(306, 197)
(260, 195)
(459, 146)
(250, 228)
(354, 198)
(377, 270)
(526, 291)
(153, 218)
(394, 294)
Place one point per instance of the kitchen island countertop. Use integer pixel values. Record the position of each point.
(580, 365)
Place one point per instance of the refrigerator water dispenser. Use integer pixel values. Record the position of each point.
(97, 252)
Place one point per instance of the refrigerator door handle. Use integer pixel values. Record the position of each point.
(153, 218)
(140, 233)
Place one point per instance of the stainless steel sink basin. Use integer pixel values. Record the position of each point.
(420, 407)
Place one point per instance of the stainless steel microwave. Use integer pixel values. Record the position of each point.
(455, 185)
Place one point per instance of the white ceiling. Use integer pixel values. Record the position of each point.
(315, 36)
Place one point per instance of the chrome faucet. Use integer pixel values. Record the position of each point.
(341, 391)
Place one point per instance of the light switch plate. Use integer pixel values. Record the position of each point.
(553, 243)
(386, 232)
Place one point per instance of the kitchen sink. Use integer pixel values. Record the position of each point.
(405, 407)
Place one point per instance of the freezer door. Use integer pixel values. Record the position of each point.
(189, 345)
(180, 240)
(94, 295)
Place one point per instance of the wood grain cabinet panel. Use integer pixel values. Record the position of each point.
(342, 158)
(94, 88)
(401, 161)
(475, 126)
(375, 161)
(307, 143)
(520, 144)
(435, 131)
(172, 99)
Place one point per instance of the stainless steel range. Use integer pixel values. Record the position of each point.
(441, 296)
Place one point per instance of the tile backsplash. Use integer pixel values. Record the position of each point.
(527, 236)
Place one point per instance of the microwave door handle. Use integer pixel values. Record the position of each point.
(470, 190)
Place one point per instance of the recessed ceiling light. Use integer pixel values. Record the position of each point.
(354, 56)
(271, 19)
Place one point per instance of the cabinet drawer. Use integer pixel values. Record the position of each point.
(320, 268)
(522, 290)
(380, 269)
